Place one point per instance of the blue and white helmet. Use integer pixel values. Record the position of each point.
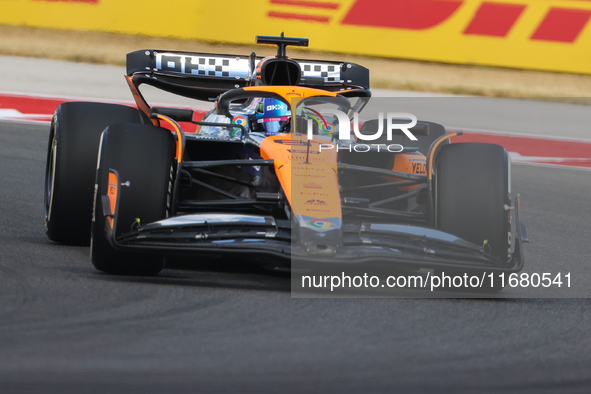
(271, 115)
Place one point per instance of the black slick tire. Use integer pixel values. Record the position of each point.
(473, 187)
(143, 157)
(71, 165)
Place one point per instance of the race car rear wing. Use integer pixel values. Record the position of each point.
(204, 76)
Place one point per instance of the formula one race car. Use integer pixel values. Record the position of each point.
(270, 176)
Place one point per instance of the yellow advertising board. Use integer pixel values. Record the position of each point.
(532, 34)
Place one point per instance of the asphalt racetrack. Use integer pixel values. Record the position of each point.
(67, 328)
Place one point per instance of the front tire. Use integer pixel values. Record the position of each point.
(473, 187)
(143, 156)
(71, 166)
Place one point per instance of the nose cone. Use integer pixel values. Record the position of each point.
(318, 237)
(309, 179)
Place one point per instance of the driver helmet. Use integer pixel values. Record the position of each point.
(271, 114)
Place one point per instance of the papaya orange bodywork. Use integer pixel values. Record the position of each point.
(112, 194)
(412, 163)
(179, 135)
(290, 92)
(139, 100)
(308, 176)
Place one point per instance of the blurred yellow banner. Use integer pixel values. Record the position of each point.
(532, 34)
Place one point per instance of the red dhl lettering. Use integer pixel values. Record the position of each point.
(401, 14)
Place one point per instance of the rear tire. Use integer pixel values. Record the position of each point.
(71, 166)
(143, 156)
(473, 186)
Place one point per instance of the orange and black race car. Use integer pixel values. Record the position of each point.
(273, 174)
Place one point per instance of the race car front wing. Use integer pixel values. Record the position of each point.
(262, 239)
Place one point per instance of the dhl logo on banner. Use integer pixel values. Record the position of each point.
(534, 34)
